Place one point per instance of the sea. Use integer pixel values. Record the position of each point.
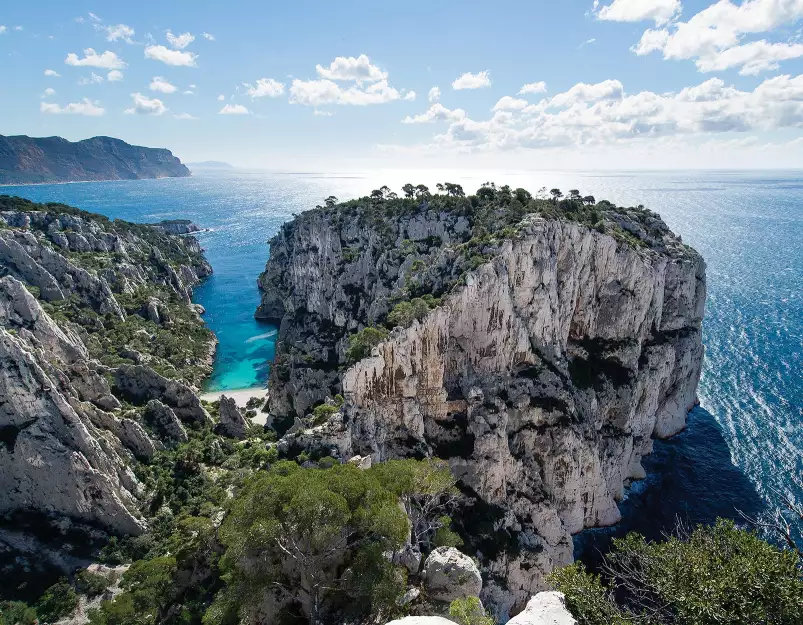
(743, 447)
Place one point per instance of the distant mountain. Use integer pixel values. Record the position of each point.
(29, 160)
(210, 165)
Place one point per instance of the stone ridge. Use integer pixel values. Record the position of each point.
(28, 160)
(84, 302)
(555, 356)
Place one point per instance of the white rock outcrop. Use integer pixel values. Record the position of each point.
(545, 608)
(449, 575)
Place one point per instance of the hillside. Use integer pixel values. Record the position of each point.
(30, 160)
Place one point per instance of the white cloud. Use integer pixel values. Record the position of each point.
(221, 97)
(93, 79)
(510, 104)
(434, 94)
(753, 58)
(18, 28)
(188, 92)
(713, 37)
(119, 32)
(3, 29)
(185, 116)
(208, 37)
(143, 105)
(53, 73)
(191, 87)
(114, 76)
(162, 85)
(661, 11)
(107, 60)
(473, 81)
(409, 96)
(48, 92)
(233, 109)
(321, 113)
(436, 113)
(94, 18)
(170, 57)
(581, 92)
(179, 42)
(358, 69)
(604, 114)
(320, 92)
(265, 87)
(84, 107)
(533, 87)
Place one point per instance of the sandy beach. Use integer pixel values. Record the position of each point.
(240, 396)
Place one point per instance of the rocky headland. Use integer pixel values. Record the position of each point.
(537, 345)
(102, 352)
(36, 160)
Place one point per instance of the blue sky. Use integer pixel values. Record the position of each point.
(323, 85)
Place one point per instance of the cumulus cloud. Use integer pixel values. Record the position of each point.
(409, 96)
(162, 85)
(434, 94)
(713, 37)
(53, 73)
(48, 92)
(143, 105)
(604, 114)
(84, 107)
(507, 103)
(107, 60)
(119, 32)
(233, 109)
(473, 81)
(179, 42)
(660, 11)
(265, 87)
(93, 79)
(533, 87)
(436, 113)
(170, 57)
(321, 92)
(114, 76)
(359, 69)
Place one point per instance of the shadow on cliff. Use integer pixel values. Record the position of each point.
(690, 478)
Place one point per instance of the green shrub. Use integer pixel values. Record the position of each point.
(361, 343)
(322, 413)
(58, 601)
(469, 611)
(17, 613)
(710, 576)
(91, 584)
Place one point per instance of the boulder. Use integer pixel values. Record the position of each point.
(232, 423)
(545, 608)
(449, 575)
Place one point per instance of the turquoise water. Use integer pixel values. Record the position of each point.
(748, 226)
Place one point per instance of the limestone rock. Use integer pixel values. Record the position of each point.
(421, 620)
(545, 608)
(165, 422)
(232, 423)
(142, 384)
(449, 575)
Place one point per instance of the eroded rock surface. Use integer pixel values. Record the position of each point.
(449, 575)
(542, 376)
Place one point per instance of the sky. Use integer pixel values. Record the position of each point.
(324, 86)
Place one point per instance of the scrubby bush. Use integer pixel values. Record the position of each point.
(708, 576)
(469, 611)
(58, 601)
(361, 343)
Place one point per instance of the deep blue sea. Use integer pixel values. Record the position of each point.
(745, 440)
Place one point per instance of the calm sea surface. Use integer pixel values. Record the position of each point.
(747, 438)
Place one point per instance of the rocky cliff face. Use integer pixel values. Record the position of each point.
(27, 160)
(556, 354)
(76, 291)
